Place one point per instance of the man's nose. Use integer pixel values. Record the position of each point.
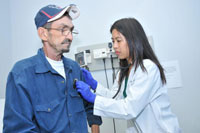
(70, 36)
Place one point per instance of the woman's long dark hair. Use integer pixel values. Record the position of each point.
(139, 47)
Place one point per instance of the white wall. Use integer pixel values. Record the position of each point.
(174, 26)
(5, 50)
(2, 101)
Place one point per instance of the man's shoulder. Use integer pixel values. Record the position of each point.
(24, 64)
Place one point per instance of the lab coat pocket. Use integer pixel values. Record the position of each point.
(48, 114)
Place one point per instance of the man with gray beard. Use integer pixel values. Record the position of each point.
(39, 94)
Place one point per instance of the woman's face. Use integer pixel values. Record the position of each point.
(120, 45)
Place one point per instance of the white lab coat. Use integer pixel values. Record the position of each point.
(146, 107)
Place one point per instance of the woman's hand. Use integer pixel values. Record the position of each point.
(89, 79)
(84, 89)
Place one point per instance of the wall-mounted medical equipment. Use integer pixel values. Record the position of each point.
(83, 58)
(92, 56)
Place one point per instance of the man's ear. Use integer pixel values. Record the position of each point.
(42, 32)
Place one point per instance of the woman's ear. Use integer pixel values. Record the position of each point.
(42, 32)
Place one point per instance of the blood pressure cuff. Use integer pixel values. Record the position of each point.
(91, 118)
(94, 120)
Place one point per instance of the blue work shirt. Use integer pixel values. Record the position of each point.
(38, 99)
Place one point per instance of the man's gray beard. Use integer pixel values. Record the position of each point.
(68, 47)
(66, 50)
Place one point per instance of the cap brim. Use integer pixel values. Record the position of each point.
(72, 11)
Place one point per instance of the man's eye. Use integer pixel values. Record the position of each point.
(65, 29)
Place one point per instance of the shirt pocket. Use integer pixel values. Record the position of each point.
(78, 111)
(48, 115)
(76, 102)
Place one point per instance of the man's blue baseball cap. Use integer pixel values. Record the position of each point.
(50, 13)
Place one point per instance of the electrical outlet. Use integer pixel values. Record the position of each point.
(100, 53)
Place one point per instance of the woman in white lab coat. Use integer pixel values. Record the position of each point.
(138, 94)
